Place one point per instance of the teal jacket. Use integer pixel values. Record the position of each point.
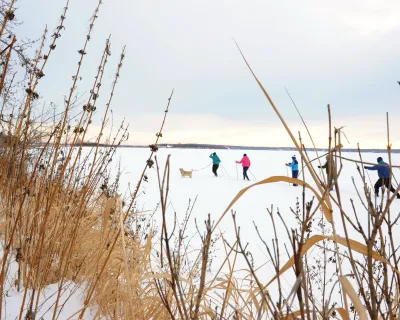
(215, 159)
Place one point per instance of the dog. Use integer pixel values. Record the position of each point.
(186, 173)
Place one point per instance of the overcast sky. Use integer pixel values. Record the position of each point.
(345, 53)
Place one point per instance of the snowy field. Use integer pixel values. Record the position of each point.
(214, 195)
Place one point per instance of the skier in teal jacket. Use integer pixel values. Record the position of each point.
(216, 161)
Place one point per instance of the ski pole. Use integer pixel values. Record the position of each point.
(252, 174)
(237, 174)
(395, 179)
(287, 172)
(226, 172)
(369, 178)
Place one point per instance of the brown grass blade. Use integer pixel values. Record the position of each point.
(325, 203)
(349, 290)
(354, 245)
(298, 147)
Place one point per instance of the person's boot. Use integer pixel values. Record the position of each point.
(398, 196)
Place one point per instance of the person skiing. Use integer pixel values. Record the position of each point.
(215, 163)
(246, 165)
(384, 176)
(330, 168)
(294, 165)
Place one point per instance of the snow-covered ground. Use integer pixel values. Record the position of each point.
(214, 195)
(71, 300)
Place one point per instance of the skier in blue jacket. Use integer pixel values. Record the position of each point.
(384, 176)
(294, 165)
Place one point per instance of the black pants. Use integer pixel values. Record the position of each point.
(295, 174)
(245, 176)
(383, 182)
(215, 168)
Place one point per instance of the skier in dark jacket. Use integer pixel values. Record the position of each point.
(294, 165)
(384, 176)
(216, 161)
(330, 168)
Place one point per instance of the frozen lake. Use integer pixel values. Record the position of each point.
(214, 194)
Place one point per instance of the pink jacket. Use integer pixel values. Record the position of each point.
(245, 161)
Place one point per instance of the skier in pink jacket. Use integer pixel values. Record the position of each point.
(246, 165)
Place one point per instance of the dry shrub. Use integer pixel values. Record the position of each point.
(63, 221)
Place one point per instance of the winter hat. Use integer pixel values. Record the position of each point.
(245, 155)
(294, 157)
(379, 159)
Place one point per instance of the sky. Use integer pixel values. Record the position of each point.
(342, 53)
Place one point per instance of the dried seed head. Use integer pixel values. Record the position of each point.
(18, 256)
(32, 93)
(30, 315)
(153, 148)
(40, 74)
(10, 15)
(150, 163)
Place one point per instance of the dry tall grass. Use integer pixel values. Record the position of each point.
(64, 223)
(62, 219)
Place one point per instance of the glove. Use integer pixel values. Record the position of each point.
(319, 167)
(365, 167)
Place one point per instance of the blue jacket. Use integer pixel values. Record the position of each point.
(215, 159)
(383, 169)
(294, 165)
